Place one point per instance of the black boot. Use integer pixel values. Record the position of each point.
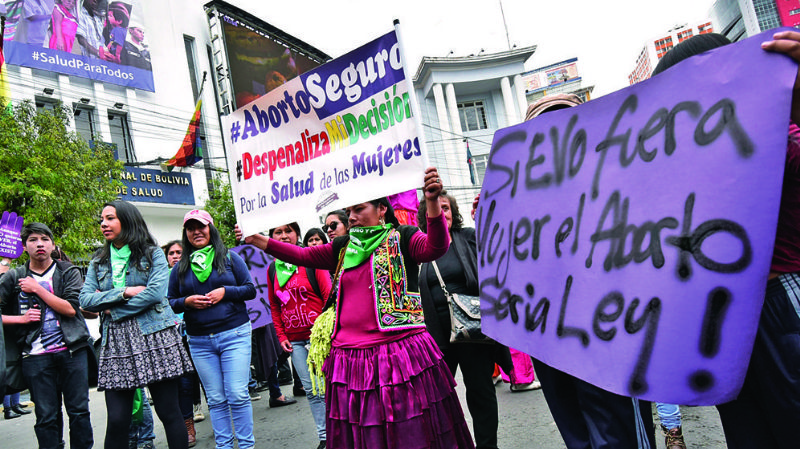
(10, 414)
(17, 408)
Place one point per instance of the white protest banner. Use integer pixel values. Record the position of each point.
(338, 135)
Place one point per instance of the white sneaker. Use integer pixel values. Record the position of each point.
(535, 385)
(198, 414)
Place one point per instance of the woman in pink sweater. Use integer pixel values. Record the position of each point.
(296, 297)
(386, 384)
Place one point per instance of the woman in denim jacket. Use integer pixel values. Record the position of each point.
(127, 284)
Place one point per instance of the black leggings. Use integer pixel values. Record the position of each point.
(119, 406)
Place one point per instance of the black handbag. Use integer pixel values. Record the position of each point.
(465, 315)
(15, 381)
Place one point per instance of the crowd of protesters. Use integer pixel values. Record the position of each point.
(361, 308)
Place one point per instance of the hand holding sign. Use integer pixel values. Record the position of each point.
(620, 235)
(788, 43)
(10, 230)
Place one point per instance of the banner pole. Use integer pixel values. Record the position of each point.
(415, 110)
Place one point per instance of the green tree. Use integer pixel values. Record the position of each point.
(220, 206)
(51, 175)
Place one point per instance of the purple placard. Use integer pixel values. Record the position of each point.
(257, 263)
(627, 241)
(10, 232)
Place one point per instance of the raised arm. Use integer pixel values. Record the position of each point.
(433, 245)
(315, 257)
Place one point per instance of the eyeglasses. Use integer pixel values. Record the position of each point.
(332, 226)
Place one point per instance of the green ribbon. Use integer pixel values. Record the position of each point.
(202, 261)
(119, 264)
(363, 241)
(284, 271)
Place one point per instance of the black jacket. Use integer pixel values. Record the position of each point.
(465, 247)
(67, 283)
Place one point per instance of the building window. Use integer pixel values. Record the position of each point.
(473, 116)
(479, 167)
(45, 105)
(121, 136)
(84, 122)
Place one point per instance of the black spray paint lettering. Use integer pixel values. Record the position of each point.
(607, 312)
(717, 304)
(253, 258)
(575, 145)
(724, 110)
(719, 119)
(690, 243)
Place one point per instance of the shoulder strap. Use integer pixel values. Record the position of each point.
(271, 272)
(311, 274)
(441, 281)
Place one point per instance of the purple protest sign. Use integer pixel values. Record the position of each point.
(627, 241)
(10, 231)
(257, 263)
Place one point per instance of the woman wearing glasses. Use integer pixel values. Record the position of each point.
(335, 224)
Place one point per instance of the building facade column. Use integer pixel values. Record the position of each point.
(522, 101)
(457, 156)
(441, 110)
(512, 117)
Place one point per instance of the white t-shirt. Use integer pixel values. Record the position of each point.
(51, 339)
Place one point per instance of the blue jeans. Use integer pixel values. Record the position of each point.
(223, 362)
(50, 376)
(669, 414)
(142, 432)
(10, 400)
(315, 401)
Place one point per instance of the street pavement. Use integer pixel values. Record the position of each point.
(525, 422)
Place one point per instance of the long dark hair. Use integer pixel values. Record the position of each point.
(133, 232)
(311, 233)
(388, 217)
(422, 213)
(295, 227)
(215, 240)
(690, 47)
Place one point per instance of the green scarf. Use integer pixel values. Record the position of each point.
(202, 262)
(284, 271)
(363, 242)
(119, 263)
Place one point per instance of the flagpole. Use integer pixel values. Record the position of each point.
(412, 96)
(202, 86)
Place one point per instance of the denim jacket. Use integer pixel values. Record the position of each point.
(150, 307)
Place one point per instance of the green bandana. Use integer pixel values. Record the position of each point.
(284, 271)
(363, 242)
(202, 261)
(119, 262)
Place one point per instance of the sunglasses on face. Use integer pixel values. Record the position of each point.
(332, 226)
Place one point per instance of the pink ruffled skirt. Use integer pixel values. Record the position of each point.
(395, 395)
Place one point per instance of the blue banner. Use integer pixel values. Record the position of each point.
(154, 186)
(71, 64)
(358, 75)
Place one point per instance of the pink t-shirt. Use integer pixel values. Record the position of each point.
(786, 255)
(295, 306)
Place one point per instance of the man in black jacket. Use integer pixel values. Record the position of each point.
(40, 308)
